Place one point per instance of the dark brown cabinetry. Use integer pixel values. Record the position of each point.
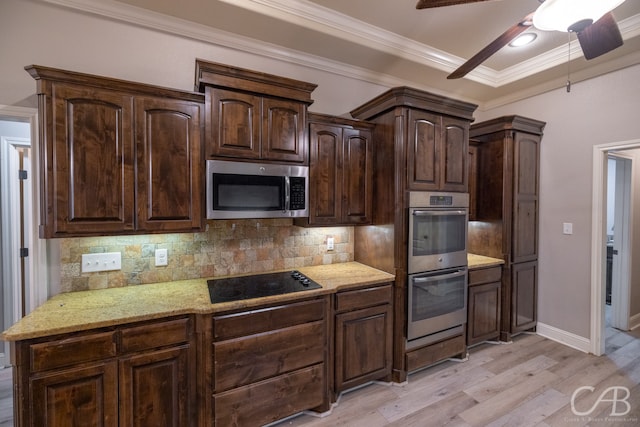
(437, 155)
(92, 181)
(421, 143)
(129, 376)
(508, 158)
(269, 363)
(252, 115)
(363, 336)
(340, 170)
(473, 179)
(483, 320)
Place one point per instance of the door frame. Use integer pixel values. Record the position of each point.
(37, 290)
(598, 239)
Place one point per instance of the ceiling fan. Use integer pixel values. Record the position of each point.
(597, 30)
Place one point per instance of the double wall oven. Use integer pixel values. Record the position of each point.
(437, 266)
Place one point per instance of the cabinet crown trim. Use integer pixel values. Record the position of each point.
(504, 123)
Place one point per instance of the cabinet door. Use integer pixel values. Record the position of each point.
(363, 346)
(525, 197)
(88, 164)
(76, 397)
(169, 167)
(357, 176)
(325, 184)
(472, 165)
(233, 124)
(283, 127)
(484, 313)
(524, 295)
(154, 388)
(424, 151)
(453, 155)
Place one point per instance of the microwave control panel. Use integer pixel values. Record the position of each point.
(297, 193)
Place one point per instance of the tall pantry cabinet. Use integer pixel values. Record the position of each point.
(507, 199)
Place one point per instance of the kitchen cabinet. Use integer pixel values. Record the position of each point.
(269, 362)
(420, 144)
(340, 171)
(133, 375)
(252, 115)
(483, 319)
(437, 152)
(363, 336)
(507, 211)
(473, 179)
(117, 157)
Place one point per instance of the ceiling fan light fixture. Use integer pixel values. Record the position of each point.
(523, 40)
(561, 15)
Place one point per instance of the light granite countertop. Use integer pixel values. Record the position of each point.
(481, 261)
(77, 311)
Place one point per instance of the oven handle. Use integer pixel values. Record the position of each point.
(439, 213)
(439, 277)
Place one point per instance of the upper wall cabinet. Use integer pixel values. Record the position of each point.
(117, 157)
(340, 170)
(252, 115)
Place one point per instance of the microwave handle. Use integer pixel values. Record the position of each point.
(439, 213)
(439, 277)
(287, 195)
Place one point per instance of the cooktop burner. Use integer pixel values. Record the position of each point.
(260, 285)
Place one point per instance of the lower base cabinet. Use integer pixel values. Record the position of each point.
(133, 375)
(269, 363)
(363, 337)
(484, 304)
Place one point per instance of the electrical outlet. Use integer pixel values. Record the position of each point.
(106, 261)
(161, 257)
(329, 243)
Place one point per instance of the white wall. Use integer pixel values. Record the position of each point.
(595, 112)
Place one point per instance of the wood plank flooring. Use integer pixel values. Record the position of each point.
(525, 383)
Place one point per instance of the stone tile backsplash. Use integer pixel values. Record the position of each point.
(227, 247)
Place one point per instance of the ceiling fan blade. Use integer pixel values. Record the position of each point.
(492, 48)
(600, 37)
(428, 4)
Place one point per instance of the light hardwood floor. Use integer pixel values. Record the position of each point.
(525, 383)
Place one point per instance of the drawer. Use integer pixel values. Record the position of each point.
(433, 353)
(272, 399)
(72, 351)
(267, 319)
(154, 335)
(253, 358)
(360, 298)
(485, 275)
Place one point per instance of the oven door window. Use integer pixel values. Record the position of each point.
(437, 295)
(438, 232)
(248, 192)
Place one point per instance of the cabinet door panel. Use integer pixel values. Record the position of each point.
(169, 164)
(357, 181)
(233, 123)
(92, 166)
(76, 397)
(363, 346)
(455, 148)
(325, 186)
(424, 151)
(154, 388)
(283, 131)
(524, 284)
(484, 313)
(525, 198)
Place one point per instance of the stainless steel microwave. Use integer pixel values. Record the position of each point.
(256, 190)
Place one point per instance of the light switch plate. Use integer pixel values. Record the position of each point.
(106, 261)
(567, 228)
(330, 243)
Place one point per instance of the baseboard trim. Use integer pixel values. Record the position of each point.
(634, 322)
(563, 337)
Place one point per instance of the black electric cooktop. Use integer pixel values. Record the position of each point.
(259, 285)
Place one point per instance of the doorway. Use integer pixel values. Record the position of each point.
(23, 255)
(613, 236)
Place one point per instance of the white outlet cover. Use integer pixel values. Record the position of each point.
(330, 243)
(106, 261)
(161, 257)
